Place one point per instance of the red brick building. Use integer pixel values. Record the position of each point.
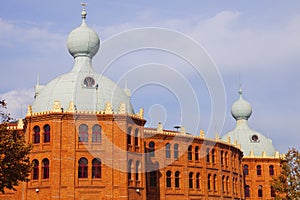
(89, 144)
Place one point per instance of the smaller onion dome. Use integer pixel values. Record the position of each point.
(241, 109)
(83, 41)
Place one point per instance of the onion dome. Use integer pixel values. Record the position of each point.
(241, 109)
(83, 41)
(252, 142)
(83, 87)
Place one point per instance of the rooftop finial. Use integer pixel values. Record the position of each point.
(240, 91)
(83, 13)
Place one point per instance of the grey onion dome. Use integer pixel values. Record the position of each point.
(241, 109)
(83, 41)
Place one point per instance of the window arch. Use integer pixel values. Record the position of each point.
(196, 153)
(46, 133)
(213, 156)
(137, 170)
(207, 155)
(258, 170)
(83, 133)
(198, 179)
(271, 170)
(36, 134)
(247, 191)
(136, 137)
(246, 169)
(82, 168)
(208, 181)
(169, 179)
(129, 169)
(35, 170)
(151, 149)
(273, 194)
(45, 168)
(227, 184)
(191, 177)
(260, 191)
(96, 133)
(96, 168)
(176, 151)
(226, 158)
(222, 157)
(223, 183)
(215, 182)
(177, 179)
(129, 136)
(168, 150)
(190, 152)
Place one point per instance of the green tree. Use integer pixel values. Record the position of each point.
(15, 164)
(287, 184)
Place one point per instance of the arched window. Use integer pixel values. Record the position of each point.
(177, 179)
(153, 178)
(258, 170)
(223, 184)
(196, 153)
(46, 133)
(36, 134)
(168, 150)
(207, 155)
(227, 184)
(96, 168)
(175, 151)
(136, 137)
(169, 179)
(190, 152)
(213, 156)
(247, 191)
(198, 180)
(246, 169)
(260, 191)
(137, 170)
(233, 183)
(45, 168)
(273, 194)
(129, 169)
(226, 158)
(271, 170)
(83, 133)
(82, 168)
(222, 157)
(35, 170)
(215, 182)
(129, 136)
(208, 181)
(96, 133)
(191, 177)
(151, 149)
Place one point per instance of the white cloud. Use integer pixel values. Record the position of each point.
(14, 33)
(18, 101)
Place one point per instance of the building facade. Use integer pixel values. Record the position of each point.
(88, 143)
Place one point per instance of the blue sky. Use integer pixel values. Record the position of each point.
(257, 41)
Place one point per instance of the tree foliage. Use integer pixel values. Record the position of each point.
(15, 164)
(287, 184)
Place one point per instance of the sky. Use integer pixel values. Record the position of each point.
(254, 45)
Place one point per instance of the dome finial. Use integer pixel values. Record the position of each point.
(240, 91)
(83, 13)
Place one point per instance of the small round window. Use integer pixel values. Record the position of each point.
(254, 138)
(89, 82)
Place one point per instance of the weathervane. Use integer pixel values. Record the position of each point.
(83, 5)
(83, 13)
